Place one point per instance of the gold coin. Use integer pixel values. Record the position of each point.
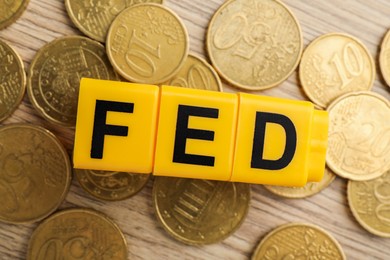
(369, 202)
(94, 17)
(309, 189)
(384, 58)
(35, 173)
(298, 241)
(111, 186)
(55, 73)
(12, 80)
(196, 73)
(147, 43)
(359, 136)
(11, 10)
(335, 64)
(196, 211)
(254, 44)
(77, 234)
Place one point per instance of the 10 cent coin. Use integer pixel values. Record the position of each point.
(147, 43)
(335, 64)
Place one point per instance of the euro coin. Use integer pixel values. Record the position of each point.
(55, 73)
(111, 186)
(35, 175)
(147, 43)
(196, 73)
(77, 234)
(11, 10)
(369, 202)
(254, 45)
(335, 64)
(196, 211)
(309, 189)
(94, 17)
(359, 136)
(298, 241)
(384, 58)
(12, 80)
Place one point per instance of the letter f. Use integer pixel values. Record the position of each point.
(100, 128)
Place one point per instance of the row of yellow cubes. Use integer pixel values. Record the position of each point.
(191, 133)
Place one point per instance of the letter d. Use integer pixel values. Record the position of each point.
(262, 118)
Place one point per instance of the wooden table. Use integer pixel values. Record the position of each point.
(45, 20)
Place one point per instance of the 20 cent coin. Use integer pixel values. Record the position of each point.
(12, 80)
(254, 44)
(359, 136)
(298, 241)
(55, 73)
(77, 234)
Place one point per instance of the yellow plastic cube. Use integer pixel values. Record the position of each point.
(279, 141)
(192, 133)
(196, 133)
(116, 126)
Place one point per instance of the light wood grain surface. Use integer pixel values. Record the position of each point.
(45, 20)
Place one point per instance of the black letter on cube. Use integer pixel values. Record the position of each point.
(183, 133)
(100, 128)
(262, 118)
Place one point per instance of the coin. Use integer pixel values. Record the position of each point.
(335, 64)
(309, 189)
(77, 234)
(298, 241)
(369, 202)
(35, 173)
(94, 17)
(11, 10)
(196, 211)
(196, 73)
(384, 58)
(359, 136)
(111, 186)
(54, 76)
(12, 80)
(147, 43)
(254, 44)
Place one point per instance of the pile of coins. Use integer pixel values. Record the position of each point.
(252, 45)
